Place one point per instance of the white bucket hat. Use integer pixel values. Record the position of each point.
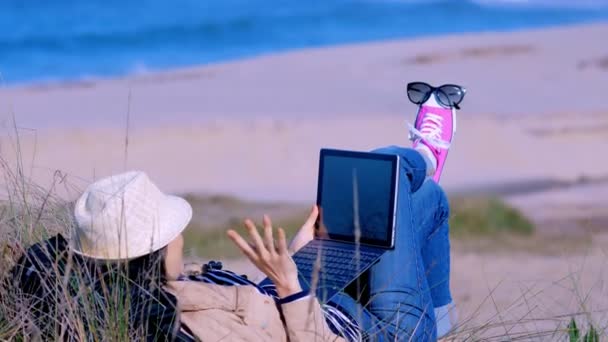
(126, 216)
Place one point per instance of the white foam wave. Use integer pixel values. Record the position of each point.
(557, 4)
(563, 4)
(139, 68)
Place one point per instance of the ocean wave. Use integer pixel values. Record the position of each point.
(101, 37)
(545, 4)
(150, 34)
(241, 29)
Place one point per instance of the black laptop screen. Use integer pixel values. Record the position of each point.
(357, 185)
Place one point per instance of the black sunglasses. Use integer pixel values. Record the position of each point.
(449, 95)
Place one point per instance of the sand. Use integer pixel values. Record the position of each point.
(524, 73)
(535, 113)
(254, 127)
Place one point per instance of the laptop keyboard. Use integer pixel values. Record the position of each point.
(339, 265)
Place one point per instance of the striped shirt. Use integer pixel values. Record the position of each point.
(340, 322)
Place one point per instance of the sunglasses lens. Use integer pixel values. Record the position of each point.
(418, 92)
(450, 95)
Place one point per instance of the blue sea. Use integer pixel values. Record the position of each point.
(55, 40)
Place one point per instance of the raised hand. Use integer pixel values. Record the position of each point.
(273, 260)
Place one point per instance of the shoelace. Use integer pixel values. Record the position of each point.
(430, 131)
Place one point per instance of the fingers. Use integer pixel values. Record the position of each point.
(255, 237)
(242, 245)
(261, 247)
(268, 239)
(282, 242)
(312, 218)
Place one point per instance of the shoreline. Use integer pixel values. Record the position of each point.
(536, 75)
(166, 72)
(170, 72)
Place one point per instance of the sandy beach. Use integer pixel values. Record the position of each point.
(203, 129)
(533, 129)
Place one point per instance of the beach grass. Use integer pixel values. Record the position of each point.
(30, 214)
(47, 215)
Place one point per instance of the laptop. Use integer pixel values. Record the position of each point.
(357, 199)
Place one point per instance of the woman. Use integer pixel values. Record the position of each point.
(126, 217)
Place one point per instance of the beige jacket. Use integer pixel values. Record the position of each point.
(241, 313)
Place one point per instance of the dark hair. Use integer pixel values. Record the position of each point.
(145, 271)
(49, 273)
(138, 284)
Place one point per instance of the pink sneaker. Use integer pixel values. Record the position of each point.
(434, 130)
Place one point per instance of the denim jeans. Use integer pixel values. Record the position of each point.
(412, 279)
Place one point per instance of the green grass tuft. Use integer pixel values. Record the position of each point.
(574, 333)
(486, 216)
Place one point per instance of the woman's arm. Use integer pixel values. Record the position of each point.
(304, 318)
(305, 321)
